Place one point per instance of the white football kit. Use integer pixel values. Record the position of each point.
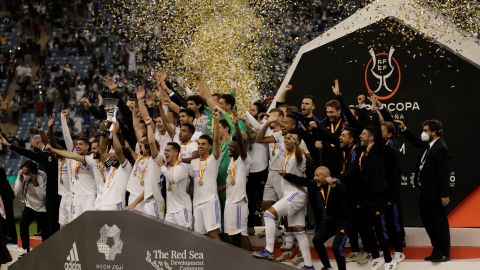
(206, 206)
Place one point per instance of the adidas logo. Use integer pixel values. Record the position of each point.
(73, 263)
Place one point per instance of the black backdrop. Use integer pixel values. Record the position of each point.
(434, 83)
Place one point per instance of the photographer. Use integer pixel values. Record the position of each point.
(31, 185)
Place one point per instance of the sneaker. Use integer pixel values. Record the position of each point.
(398, 257)
(264, 254)
(377, 263)
(352, 257)
(307, 267)
(390, 266)
(285, 256)
(364, 258)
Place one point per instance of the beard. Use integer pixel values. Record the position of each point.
(96, 155)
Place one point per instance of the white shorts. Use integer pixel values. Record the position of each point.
(273, 187)
(235, 218)
(111, 207)
(82, 203)
(154, 208)
(140, 206)
(206, 216)
(65, 210)
(180, 218)
(292, 206)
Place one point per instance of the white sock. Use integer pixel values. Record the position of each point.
(304, 247)
(270, 228)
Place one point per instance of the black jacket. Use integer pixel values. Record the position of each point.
(433, 180)
(393, 171)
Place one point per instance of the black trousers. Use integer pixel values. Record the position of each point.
(255, 185)
(376, 232)
(52, 204)
(28, 216)
(434, 218)
(358, 227)
(8, 226)
(394, 225)
(5, 256)
(322, 234)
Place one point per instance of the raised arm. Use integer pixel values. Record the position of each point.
(51, 136)
(136, 122)
(204, 93)
(238, 135)
(66, 154)
(416, 141)
(261, 138)
(151, 137)
(352, 121)
(141, 103)
(99, 113)
(35, 156)
(117, 146)
(283, 94)
(216, 137)
(66, 131)
(166, 121)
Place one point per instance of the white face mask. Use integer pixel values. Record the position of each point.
(425, 137)
(26, 177)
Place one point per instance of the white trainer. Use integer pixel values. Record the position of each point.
(398, 257)
(376, 264)
(390, 266)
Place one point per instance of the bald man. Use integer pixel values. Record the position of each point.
(338, 217)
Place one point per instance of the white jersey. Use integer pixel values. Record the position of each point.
(137, 176)
(292, 167)
(204, 173)
(116, 184)
(64, 181)
(237, 179)
(177, 181)
(162, 140)
(83, 180)
(186, 150)
(196, 135)
(259, 153)
(100, 172)
(34, 195)
(201, 124)
(152, 181)
(277, 151)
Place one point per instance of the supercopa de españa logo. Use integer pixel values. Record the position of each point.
(383, 74)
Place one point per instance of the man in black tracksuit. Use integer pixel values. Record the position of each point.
(337, 221)
(335, 206)
(393, 217)
(371, 163)
(350, 177)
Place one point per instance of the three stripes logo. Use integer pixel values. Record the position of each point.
(73, 262)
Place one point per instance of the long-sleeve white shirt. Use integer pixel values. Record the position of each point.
(34, 195)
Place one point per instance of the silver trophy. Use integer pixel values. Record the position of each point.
(110, 108)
